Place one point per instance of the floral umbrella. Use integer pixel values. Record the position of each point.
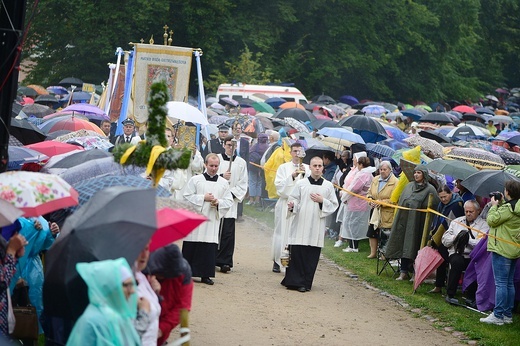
(36, 193)
(478, 158)
(427, 145)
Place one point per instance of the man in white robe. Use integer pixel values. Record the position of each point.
(287, 175)
(210, 193)
(238, 182)
(311, 201)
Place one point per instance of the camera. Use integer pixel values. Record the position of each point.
(497, 195)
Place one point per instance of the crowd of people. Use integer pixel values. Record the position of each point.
(347, 193)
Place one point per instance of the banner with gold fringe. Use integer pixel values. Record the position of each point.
(155, 63)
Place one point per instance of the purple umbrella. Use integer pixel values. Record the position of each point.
(349, 99)
(86, 109)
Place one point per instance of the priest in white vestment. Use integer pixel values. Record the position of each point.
(312, 200)
(287, 175)
(210, 194)
(237, 177)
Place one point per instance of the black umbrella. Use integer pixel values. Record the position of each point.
(295, 113)
(471, 117)
(69, 81)
(117, 222)
(37, 110)
(436, 136)
(16, 108)
(321, 123)
(23, 90)
(25, 132)
(323, 100)
(436, 118)
(81, 157)
(475, 123)
(367, 127)
(484, 110)
(514, 140)
(486, 181)
(455, 168)
(45, 99)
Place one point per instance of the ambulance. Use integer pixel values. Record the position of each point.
(260, 92)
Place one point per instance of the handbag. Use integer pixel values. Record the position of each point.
(26, 317)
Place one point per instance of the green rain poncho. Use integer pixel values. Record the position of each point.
(107, 320)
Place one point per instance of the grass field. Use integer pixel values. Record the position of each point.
(458, 318)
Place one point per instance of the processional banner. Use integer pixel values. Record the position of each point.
(154, 63)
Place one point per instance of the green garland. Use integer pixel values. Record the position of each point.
(155, 135)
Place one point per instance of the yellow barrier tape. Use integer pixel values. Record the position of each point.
(427, 210)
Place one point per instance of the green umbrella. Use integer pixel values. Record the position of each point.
(455, 168)
(514, 170)
(263, 107)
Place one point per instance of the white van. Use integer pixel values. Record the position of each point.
(259, 92)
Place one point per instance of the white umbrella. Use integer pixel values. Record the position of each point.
(8, 213)
(468, 130)
(186, 112)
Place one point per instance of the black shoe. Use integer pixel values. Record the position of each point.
(452, 300)
(470, 302)
(302, 289)
(225, 268)
(276, 267)
(206, 281)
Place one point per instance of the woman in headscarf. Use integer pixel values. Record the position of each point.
(407, 228)
(107, 320)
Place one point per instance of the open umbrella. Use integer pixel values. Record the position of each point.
(78, 96)
(70, 81)
(8, 213)
(23, 90)
(464, 109)
(100, 168)
(81, 157)
(435, 135)
(295, 113)
(394, 132)
(36, 110)
(374, 110)
(412, 113)
(455, 168)
(427, 145)
(466, 131)
(39, 89)
(87, 110)
(476, 157)
(321, 123)
(57, 90)
(291, 104)
(263, 107)
(46, 100)
(427, 260)
(20, 155)
(349, 100)
(75, 124)
(36, 193)
(367, 127)
(228, 101)
(117, 222)
(486, 181)
(174, 224)
(436, 118)
(379, 150)
(341, 133)
(25, 132)
(51, 148)
(275, 102)
(186, 112)
(323, 99)
(86, 189)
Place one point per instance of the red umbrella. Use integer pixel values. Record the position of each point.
(465, 109)
(51, 148)
(75, 124)
(428, 259)
(174, 224)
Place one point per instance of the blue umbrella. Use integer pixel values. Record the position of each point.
(86, 189)
(413, 113)
(275, 102)
(348, 99)
(379, 150)
(341, 133)
(20, 155)
(78, 96)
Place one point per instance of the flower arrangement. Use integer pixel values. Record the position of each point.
(152, 153)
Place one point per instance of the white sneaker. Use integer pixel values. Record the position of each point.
(349, 249)
(492, 319)
(338, 243)
(508, 320)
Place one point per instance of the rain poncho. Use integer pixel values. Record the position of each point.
(29, 266)
(107, 320)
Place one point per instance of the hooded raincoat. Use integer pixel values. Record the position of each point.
(107, 320)
(407, 228)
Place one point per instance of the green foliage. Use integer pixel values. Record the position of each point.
(155, 136)
(396, 50)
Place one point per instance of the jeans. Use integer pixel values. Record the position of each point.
(504, 272)
(255, 183)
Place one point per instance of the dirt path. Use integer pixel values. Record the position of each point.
(249, 306)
